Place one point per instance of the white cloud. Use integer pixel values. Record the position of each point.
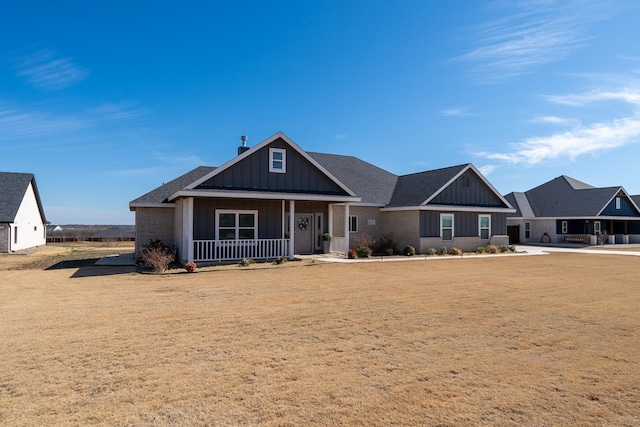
(486, 170)
(536, 33)
(590, 139)
(456, 111)
(18, 123)
(630, 96)
(45, 70)
(341, 136)
(118, 112)
(555, 120)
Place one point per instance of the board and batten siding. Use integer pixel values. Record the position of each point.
(269, 215)
(626, 208)
(468, 190)
(465, 224)
(252, 173)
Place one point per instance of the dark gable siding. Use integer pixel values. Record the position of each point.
(252, 173)
(269, 214)
(468, 190)
(626, 208)
(465, 224)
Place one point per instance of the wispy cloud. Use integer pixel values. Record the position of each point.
(487, 170)
(46, 70)
(118, 112)
(534, 34)
(18, 124)
(341, 136)
(555, 120)
(456, 111)
(592, 138)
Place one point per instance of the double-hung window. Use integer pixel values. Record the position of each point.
(484, 226)
(277, 160)
(565, 227)
(527, 230)
(446, 226)
(353, 224)
(236, 225)
(618, 203)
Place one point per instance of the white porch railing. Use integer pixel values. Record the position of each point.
(337, 244)
(230, 250)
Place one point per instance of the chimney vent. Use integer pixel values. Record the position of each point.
(243, 147)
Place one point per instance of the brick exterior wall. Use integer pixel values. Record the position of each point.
(404, 226)
(4, 238)
(153, 224)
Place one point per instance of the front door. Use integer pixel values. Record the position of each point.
(304, 233)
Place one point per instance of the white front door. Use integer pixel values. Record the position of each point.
(304, 228)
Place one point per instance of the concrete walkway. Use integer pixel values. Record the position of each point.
(521, 250)
(117, 260)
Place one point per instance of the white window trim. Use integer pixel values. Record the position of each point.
(237, 226)
(284, 160)
(617, 203)
(350, 223)
(453, 222)
(597, 227)
(480, 226)
(565, 227)
(527, 230)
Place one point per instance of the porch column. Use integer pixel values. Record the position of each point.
(292, 239)
(346, 229)
(330, 220)
(187, 229)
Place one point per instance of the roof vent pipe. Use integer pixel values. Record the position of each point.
(243, 147)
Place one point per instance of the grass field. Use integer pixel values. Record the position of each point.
(500, 341)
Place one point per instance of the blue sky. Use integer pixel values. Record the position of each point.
(106, 100)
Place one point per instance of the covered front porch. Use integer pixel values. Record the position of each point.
(219, 230)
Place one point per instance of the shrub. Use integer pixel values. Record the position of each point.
(512, 248)
(504, 248)
(385, 243)
(432, 251)
(443, 250)
(363, 251)
(455, 251)
(388, 251)
(492, 249)
(280, 260)
(246, 262)
(326, 237)
(157, 256)
(409, 250)
(190, 267)
(481, 249)
(352, 254)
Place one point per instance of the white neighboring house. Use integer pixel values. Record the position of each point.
(22, 219)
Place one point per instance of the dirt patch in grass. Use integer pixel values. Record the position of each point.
(544, 340)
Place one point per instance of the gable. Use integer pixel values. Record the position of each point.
(252, 173)
(621, 207)
(14, 187)
(468, 189)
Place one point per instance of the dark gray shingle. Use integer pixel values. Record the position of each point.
(13, 187)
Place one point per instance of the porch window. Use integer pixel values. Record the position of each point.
(446, 226)
(353, 224)
(527, 230)
(596, 227)
(236, 225)
(484, 226)
(277, 160)
(565, 227)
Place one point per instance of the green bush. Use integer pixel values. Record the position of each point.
(512, 248)
(409, 250)
(280, 260)
(481, 249)
(504, 248)
(363, 251)
(455, 251)
(246, 262)
(443, 250)
(432, 251)
(388, 251)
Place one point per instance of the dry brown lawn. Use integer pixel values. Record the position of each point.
(500, 341)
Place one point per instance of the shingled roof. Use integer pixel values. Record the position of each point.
(162, 193)
(414, 189)
(372, 184)
(13, 187)
(561, 197)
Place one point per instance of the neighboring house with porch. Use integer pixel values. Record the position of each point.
(276, 199)
(565, 210)
(22, 219)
